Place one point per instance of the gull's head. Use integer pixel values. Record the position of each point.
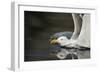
(61, 40)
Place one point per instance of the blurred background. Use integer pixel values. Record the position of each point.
(39, 26)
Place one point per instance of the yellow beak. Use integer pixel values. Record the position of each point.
(54, 41)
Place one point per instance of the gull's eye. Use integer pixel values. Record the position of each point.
(61, 39)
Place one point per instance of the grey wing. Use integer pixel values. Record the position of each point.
(77, 25)
(81, 30)
(84, 37)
